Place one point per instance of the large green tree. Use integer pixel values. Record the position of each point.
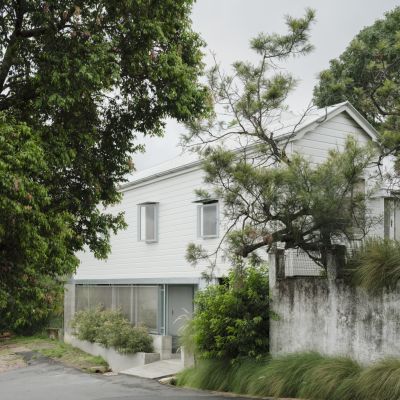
(367, 74)
(34, 237)
(84, 77)
(269, 194)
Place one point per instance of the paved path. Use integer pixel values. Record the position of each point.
(156, 370)
(43, 379)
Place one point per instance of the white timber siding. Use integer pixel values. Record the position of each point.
(177, 227)
(331, 134)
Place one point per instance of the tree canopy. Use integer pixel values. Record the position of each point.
(78, 81)
(34, 238)
(367, 74)
(269, 194)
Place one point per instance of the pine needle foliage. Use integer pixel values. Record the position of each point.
(270, 193)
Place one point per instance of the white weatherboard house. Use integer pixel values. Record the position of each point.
(146, 274)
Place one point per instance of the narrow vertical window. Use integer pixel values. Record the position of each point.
(207, 220)
(147, 222)
(387, 218)
(396, 218)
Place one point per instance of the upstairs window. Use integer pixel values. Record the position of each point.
(148, 222)
(207, 219)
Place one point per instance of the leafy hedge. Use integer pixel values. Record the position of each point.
(111, 329)
(231, 320)
(301, 375)
(376, 265)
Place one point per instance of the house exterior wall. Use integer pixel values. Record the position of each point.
(132, 261)
(162, 261)
(331, 134)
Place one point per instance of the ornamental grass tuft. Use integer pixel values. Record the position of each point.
(300, 375)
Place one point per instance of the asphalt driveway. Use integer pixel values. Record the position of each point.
(44, 379)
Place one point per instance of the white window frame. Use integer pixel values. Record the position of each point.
(200, 220)
(139, 222)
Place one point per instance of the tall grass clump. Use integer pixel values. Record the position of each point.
(300, 375)
(207, 374)
(283, 376)
(331, 378)
(376, 265)
(221, 375)
(380, 381)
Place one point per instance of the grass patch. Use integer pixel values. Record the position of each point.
(26, 341)
(300, 375)
(74, 357)
(55, 350)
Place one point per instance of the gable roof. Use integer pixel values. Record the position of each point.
(291, 127)
(297, 126)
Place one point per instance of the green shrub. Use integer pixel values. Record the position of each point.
(376, 265)
(111, 329)
(86, 324)
(231, 320)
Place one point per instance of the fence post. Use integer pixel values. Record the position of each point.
(336, 262)
(280, 263)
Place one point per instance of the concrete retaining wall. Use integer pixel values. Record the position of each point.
(329, 316)
(163, 346)
(118, 362)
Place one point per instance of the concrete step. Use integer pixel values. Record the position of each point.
(156, 370)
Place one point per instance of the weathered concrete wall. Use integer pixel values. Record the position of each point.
(331, 317)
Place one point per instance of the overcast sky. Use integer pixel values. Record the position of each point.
(228, 25)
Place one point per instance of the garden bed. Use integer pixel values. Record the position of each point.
(117, 361)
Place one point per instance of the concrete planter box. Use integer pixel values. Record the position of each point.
(118, 362)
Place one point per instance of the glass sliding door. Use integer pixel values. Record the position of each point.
(140, 304)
